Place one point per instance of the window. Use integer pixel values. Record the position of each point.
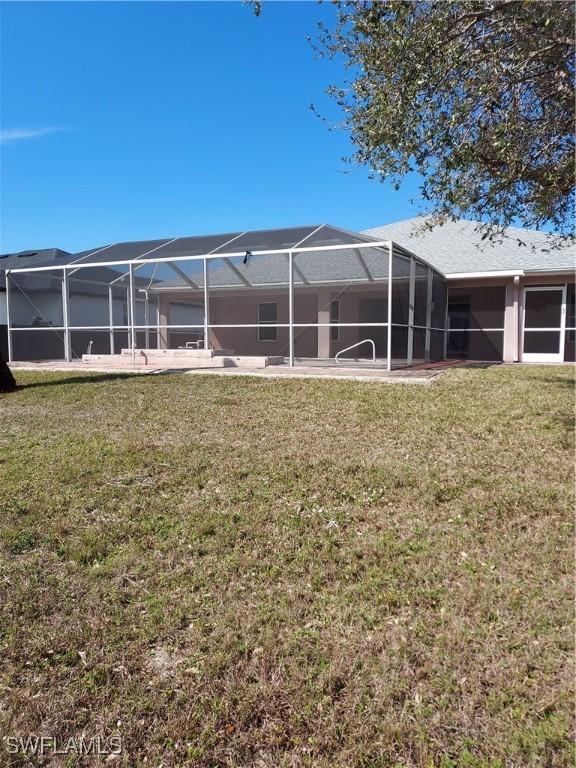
(335, 318)
(267, 317)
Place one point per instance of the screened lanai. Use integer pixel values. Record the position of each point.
(311, 294)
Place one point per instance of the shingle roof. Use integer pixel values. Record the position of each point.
(457, 247)
(319, 267)
(29, 259)
(225, 244)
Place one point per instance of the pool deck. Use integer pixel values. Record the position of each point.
(419, 374)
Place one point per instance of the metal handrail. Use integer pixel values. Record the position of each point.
(364, 341)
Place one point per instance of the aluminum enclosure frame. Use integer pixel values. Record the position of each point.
(388, 248)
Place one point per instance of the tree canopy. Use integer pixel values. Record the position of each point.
(476, 96)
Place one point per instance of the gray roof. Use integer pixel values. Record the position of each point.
(313, 268)
(30, 259)
(258, 266)
(457, 247)
(227, 243)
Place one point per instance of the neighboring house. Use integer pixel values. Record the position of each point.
(36, 305)
(512, 301)
(13, 261)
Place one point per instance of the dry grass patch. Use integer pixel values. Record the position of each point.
(244, 572)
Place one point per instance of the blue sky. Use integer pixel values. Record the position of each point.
(128, 121)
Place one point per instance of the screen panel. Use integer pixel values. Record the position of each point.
(36, 299)
(420, 294)
(32, 344)
(439, 299)
(399, 346)
(268, 240)
(400, 290)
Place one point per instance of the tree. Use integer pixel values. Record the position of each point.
(7, 382)
(477, 97)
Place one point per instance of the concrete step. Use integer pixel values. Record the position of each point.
(154, 358)
(185, 353)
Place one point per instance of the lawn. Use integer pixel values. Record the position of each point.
(248, 572)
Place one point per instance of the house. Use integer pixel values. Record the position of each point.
(389, 296)
(36, 307)
(511, 301)
(12, 261)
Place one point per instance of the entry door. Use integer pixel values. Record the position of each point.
(544, 323)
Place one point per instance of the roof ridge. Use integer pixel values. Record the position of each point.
(527, 230)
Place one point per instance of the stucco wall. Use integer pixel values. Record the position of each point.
(244, 310)
(311, 305)
(506, 310)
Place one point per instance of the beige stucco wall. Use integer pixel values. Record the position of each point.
(311, 305)
(514, 303)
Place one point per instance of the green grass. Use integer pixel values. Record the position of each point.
(249, 572)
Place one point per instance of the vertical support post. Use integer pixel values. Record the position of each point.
(111, 317)
(291, 306)
(517, 298)
(147, 319)
(132, 335)
(206, 304)
(324, 335)
(411, 299)
(9, 317)
(389, 326)
(428, 315)
(445, 352)
(511, 317)
(66, 316)
(158, 333)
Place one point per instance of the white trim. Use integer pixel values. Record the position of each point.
(111, 317)
(211, 325)
(206, 304)
(66, 316)
(474, 275)
(538, 357)
(550, 271)
(534, 272)
(125, 327)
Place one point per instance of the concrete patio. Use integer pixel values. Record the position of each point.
(418, 374)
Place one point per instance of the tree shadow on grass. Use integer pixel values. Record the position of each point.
(96, 378)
